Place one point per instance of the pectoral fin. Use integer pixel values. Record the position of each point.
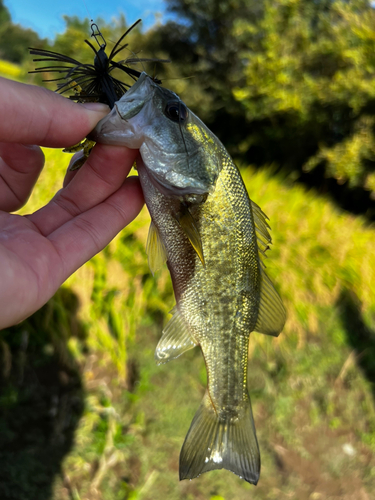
(189, 226)
(272, 314)
(155, 249)
(175, 341)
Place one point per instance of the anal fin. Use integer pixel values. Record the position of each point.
(176, 339)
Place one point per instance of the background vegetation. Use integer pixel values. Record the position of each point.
(85, 413)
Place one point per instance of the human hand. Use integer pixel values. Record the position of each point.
(38, 252)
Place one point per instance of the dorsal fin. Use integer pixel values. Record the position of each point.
(260, 218)
(189, 226)
(261, 228)
(272, 314)
(176, 339)
(155, 249)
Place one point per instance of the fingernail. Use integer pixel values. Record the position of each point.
(96, 106)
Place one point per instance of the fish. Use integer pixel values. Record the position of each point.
(213, 239)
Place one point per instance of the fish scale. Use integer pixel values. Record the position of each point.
(213, 238)
(231, 273)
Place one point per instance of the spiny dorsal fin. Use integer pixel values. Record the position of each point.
(272, 314)
(155, 249)
(176, 339)
(189, 226)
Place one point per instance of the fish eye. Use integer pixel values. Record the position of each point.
(176, 111)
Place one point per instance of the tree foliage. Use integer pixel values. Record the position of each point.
(310, 84)
(288, 82)
(4, 14)
(14, 39)
(282, 82)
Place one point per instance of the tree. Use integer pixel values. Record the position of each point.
(310, 85)
(14, 39)
(204, 49)
(288, 82)
(4, 14)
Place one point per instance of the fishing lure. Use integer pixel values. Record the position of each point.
(91, 82)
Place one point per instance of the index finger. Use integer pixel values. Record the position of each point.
(34, 115)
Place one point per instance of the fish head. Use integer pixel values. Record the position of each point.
(181, 155)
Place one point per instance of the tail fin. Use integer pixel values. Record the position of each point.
(216, 443)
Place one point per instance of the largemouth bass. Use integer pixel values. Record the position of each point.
(212, 237)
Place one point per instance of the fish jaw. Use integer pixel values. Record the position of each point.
(125, 124)
(110, 131)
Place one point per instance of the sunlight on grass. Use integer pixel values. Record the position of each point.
(317, 253)
(10, 70)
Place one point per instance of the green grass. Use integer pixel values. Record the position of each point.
(100, 420)
(11, 71)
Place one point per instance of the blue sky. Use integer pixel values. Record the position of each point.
(45, 16)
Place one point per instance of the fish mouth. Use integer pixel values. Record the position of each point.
(111, 130)
(108, 132)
